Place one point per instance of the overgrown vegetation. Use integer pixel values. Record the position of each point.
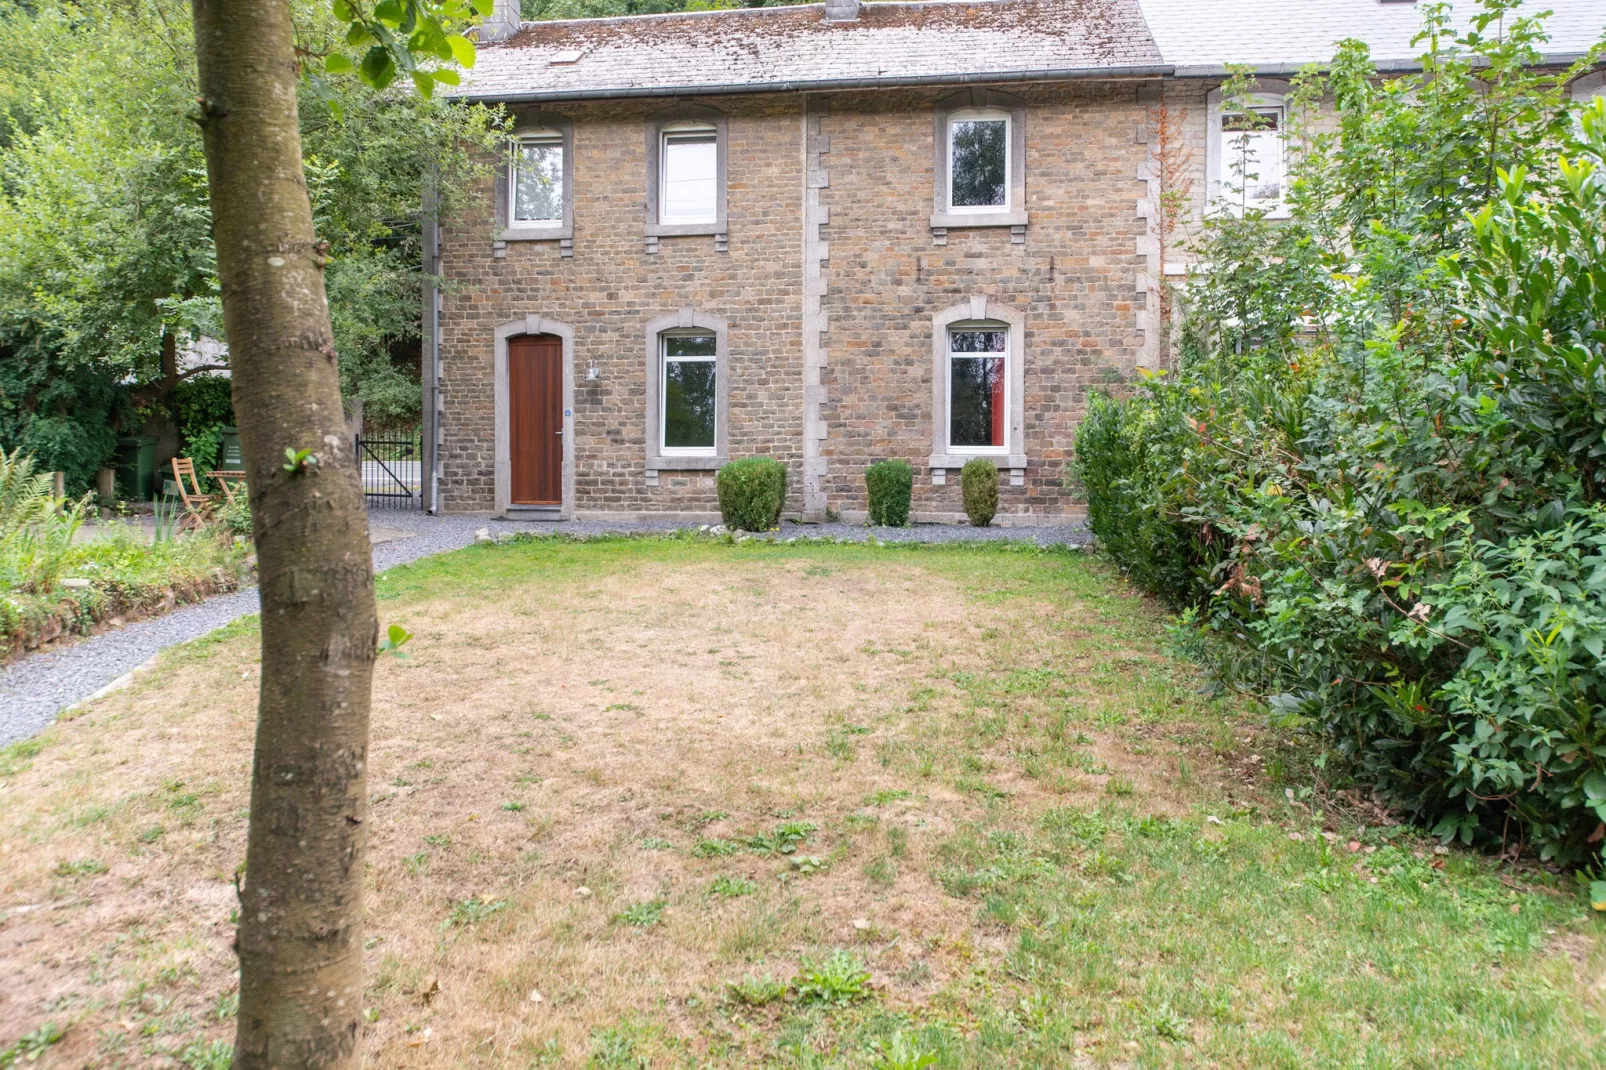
(117, 572)
(889, 485)
(1375, 480)
(751, 493)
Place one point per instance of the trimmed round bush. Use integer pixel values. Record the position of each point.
(751, 493)
(890, 485)
(978, 483)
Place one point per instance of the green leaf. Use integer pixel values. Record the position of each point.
(338, 63)
(483, 8)
(388, 11)
(378, 67)
(446, 76)
(425, 83)
(357, 34)
(1597, 895)
(343, 11)
(462, 49)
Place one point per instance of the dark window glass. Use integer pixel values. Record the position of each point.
(690, 389)
(979, 152)
(976, 401)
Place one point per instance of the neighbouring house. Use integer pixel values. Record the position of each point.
(837, 233)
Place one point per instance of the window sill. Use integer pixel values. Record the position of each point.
(681, 230)
(959, 220)
(557, 232)
(676, 463)
(957, 460)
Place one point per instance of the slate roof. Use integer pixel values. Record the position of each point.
(954, 42)
(1202, 36)
(791, 48)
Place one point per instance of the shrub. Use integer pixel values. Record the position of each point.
(889, 484)
(1376, 477)
(751, 493)
(978, 485)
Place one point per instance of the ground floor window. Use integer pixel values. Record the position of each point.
(688, 392)
(978, 385)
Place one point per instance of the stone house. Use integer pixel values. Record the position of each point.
(834, 234)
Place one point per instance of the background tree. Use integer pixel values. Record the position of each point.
(107, 268)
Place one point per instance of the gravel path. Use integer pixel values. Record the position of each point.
(36, 689)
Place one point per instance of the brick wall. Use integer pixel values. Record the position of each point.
(1076, 278)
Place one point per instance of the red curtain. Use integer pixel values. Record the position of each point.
(997, 385)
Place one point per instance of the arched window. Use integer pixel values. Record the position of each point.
(980, 166)
(688, 392)
(978, 385)
(1247, 150)
(535, 194)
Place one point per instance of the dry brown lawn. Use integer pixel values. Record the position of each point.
(578, 732)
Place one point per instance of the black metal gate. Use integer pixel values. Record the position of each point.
(392, 468)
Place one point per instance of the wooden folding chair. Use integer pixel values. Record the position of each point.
(197, 506)
(232, 480)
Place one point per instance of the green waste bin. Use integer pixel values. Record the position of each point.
(136, 467)
(233, 459)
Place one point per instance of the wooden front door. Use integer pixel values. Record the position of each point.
(535, 418)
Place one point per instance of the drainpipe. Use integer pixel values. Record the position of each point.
(431, 297)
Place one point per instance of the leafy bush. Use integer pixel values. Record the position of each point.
(1377, 476)
(751, 493)
(890, 485)
(202, 408)
(978, 485)
(236, 514)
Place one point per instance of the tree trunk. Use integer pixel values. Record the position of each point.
(300, 935)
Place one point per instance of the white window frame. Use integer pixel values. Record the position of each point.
(664, 358)
(1270, 96)
(984, 114)
(996, 326)
(546, 138)
(686, 131)
(978, 310)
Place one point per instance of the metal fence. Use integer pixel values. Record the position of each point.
(392, 468)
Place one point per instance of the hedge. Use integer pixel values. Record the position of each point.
(889, 484)
(751, 493)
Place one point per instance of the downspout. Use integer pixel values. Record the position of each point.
(431, 297)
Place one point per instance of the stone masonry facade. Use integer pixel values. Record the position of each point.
(829, 278)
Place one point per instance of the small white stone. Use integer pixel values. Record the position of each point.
(861, 924)
(583, 892)
(1213, 819)
(535, 996)
(75, 584)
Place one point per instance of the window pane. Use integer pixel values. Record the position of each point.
(689, 390)
(691, 173)
(1252, 156)
(976, 341)
(538, 183)
(977, 162)
(975, 399)
(689, 345)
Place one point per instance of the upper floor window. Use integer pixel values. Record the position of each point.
(537, 178)
(1246, 151)
(689, 184)
(535, 191)
(688, 392)
(1252, 156)
(978, 160)
(686, 169)
(979, 163)
(978, 388)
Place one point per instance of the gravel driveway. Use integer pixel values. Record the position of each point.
(36, 689)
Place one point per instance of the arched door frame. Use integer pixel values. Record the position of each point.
(532, 324)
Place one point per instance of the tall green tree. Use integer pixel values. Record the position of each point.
(106, 257)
